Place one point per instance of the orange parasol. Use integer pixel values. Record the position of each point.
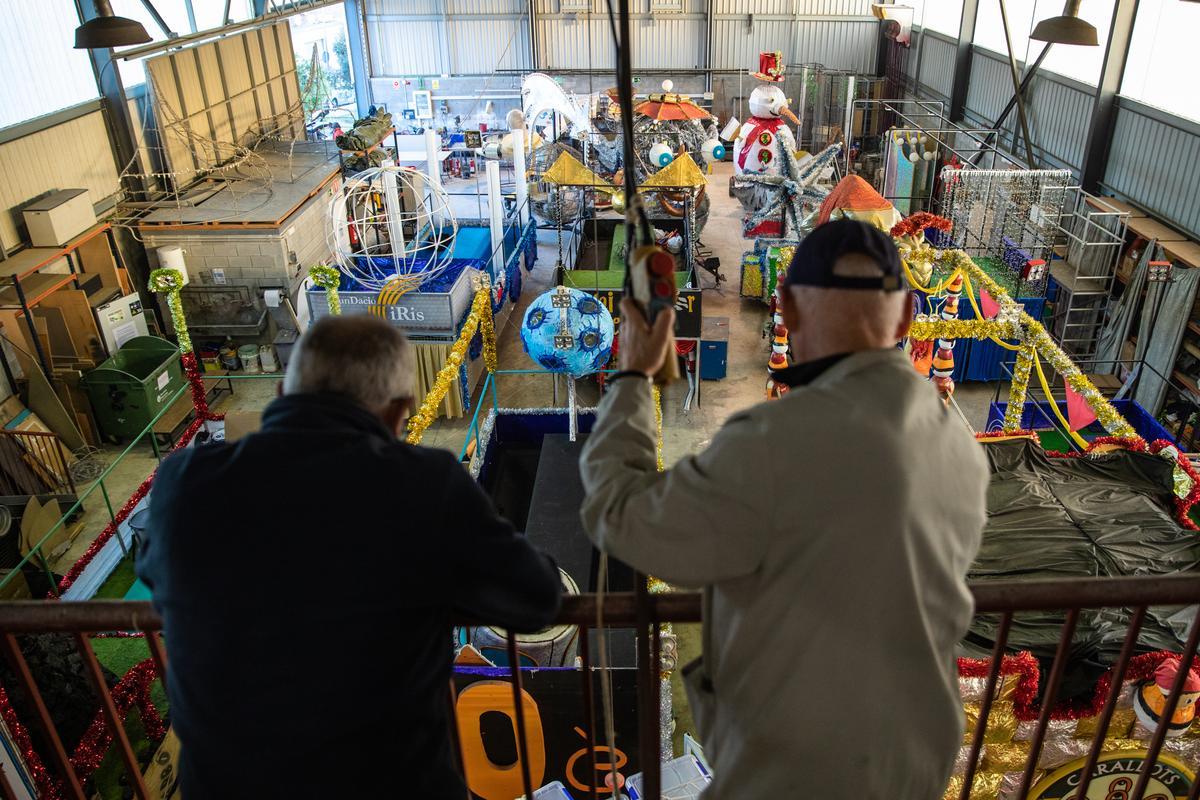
(677, 107)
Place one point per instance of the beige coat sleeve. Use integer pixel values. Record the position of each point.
(704, 520)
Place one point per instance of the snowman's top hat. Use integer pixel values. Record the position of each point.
(770, 67)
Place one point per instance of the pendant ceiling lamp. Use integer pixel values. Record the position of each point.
(108, 30)
(1067, 29)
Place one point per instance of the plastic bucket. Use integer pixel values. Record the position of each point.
(248, 354)
(266, 358)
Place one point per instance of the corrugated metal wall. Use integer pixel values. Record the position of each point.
(420, 37)
(937, 64)
(1155, 163)
(1058, 109)
(73, 155)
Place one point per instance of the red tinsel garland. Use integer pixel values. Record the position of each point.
(131, 690)
(918, 222)
(191, 368)
(134, 687)
(1140, 668)
(124, 511)
(47, 785)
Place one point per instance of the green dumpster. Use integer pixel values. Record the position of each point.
(128, 390)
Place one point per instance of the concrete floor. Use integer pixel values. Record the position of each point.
(684, 432)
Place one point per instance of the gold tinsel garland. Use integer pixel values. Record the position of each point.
(169, 282)
(480, 318)
(329, 279)
(658, 427)
(1032, 334)
(934, 328)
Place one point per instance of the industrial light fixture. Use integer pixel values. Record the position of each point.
(1067, 29)
(106, 29)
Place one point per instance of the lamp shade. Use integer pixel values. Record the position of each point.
(108, 30)
(1067, 29)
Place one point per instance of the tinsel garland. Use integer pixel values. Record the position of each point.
(191, 369)
(480, 317)
(1035, 336)
(122, 514)
(133, 689)
(48, 786)
(1018, 389)
(170, 282)
(658, 428)
(329, 279)
(1026, 667)
(933, 328)
(918, 222)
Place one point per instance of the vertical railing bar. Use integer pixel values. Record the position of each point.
(12, 651)
(158, 653)
(514, 666)
(589, 702)
(1049, 697)
(1110, 704)
(62, 454)
(985, 708)
(115, 724)
(455, 739)
(1160, 731)
(647, 696)
(49, 572)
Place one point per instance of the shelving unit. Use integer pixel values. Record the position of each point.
(342, 154)
(31, 276)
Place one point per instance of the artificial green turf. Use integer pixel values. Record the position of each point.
(119, 656)
(118, 583)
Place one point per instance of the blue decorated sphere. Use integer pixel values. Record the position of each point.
(588, 324)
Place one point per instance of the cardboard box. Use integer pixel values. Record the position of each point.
(59, 217)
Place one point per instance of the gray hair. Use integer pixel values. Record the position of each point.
(360, 356)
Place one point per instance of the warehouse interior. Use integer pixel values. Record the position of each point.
(188, 186)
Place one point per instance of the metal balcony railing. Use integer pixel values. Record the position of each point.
(643, 611)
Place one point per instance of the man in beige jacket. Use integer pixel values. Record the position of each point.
(832, 531)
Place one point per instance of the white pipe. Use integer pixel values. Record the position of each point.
(518, 147)
(496, 215)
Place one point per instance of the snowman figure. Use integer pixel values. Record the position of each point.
(762, 142)
(764, 157)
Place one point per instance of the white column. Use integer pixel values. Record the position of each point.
(518, 145)
(391, 203)
(433, 169)
(496, 215)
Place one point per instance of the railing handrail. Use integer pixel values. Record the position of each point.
(56, 616)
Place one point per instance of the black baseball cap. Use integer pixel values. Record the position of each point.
(818, 253)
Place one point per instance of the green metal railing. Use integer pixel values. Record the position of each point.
(37, 555)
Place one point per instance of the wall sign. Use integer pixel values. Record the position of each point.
(687, 310)
(552, 700)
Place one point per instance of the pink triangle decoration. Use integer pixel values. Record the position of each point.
(1079, 413)
(989, 306)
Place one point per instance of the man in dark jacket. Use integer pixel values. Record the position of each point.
(307, 575)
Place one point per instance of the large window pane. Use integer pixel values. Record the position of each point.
(42, 72)
(989, 26)
(173, 12)
(942, 16)
(1164, 58)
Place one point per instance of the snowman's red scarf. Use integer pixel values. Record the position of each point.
(757, 124)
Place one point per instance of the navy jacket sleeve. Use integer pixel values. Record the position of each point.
(504, 581)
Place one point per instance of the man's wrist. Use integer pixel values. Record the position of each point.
(629, 373)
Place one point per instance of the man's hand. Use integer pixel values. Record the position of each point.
(643, 348)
